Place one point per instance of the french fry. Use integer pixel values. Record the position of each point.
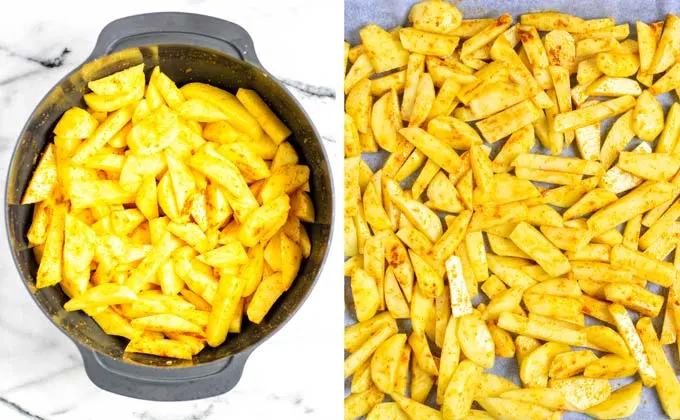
(565, 365)
(433, 148)
(529, 240)
(428, 43)
(414, 71)
(561, 49)
(611, 366)
(508, 121)
(582, 393)
(604, 338)
(535, 367)
(647, 119)
(51, 263)
(475, 340)
(634, 344)
(460, 298)
(630, 206)
(460, 390)
(644, 266)
(668, 46)
(666, 382)
(586, 116)
(416, 410)
(621, 403)
(536, 55)
(160, 347)
(486, 35)
(383, 370)
(540, 328)
(438, 18)
(519, 142)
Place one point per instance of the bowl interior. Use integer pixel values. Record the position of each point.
(183, 64)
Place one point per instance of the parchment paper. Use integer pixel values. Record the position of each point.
(390, 13)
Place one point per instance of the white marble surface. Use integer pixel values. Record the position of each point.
(295, 374)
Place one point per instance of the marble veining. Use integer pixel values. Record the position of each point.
(291, 376)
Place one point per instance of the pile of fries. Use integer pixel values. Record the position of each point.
(547, 238)
(166, 214)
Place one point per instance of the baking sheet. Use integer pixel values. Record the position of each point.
(390, 13)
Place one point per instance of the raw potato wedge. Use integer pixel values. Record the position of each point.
(383, 369)
(507, 409)
(435, 17)
(666, 381)
(460, 390)
(621, 403)
(535, 367)
(475, 340)
(611, 366)
(532, 242)
(581, 392)
(647, 117)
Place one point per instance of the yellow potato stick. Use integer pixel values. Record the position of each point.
(586, 116)
(643, 198)
(634, 297)
(460, 298)
(224, 173)
(488, 217)
(548, 21)
(270, 123)
(613, 86)
(532, 242)
(414, 70)
(51, 264)
(644, 266)
(591, 252)
(102, 295)
(383, 50)
(541, 329)
(433, 148)
(224, 307)
(634, 344)
(428, 43)
(486, 34)
(668, 47)
(621, 403)
(75, 123)
(444, 247)
(365, 349)
(160, 347)
(504, 246)
(667, 385)
(167, 323)
(153, 260)
(236, 114)
(446, 101)
(44, 179)
(508, 121)
(518, 143)
(504, 189)
(79, 247)
(104, 132)
(558, 163)
(382, 85)
(647, 119)
(114, 324)
(263, 222)
(425, 96)
(418, 214)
